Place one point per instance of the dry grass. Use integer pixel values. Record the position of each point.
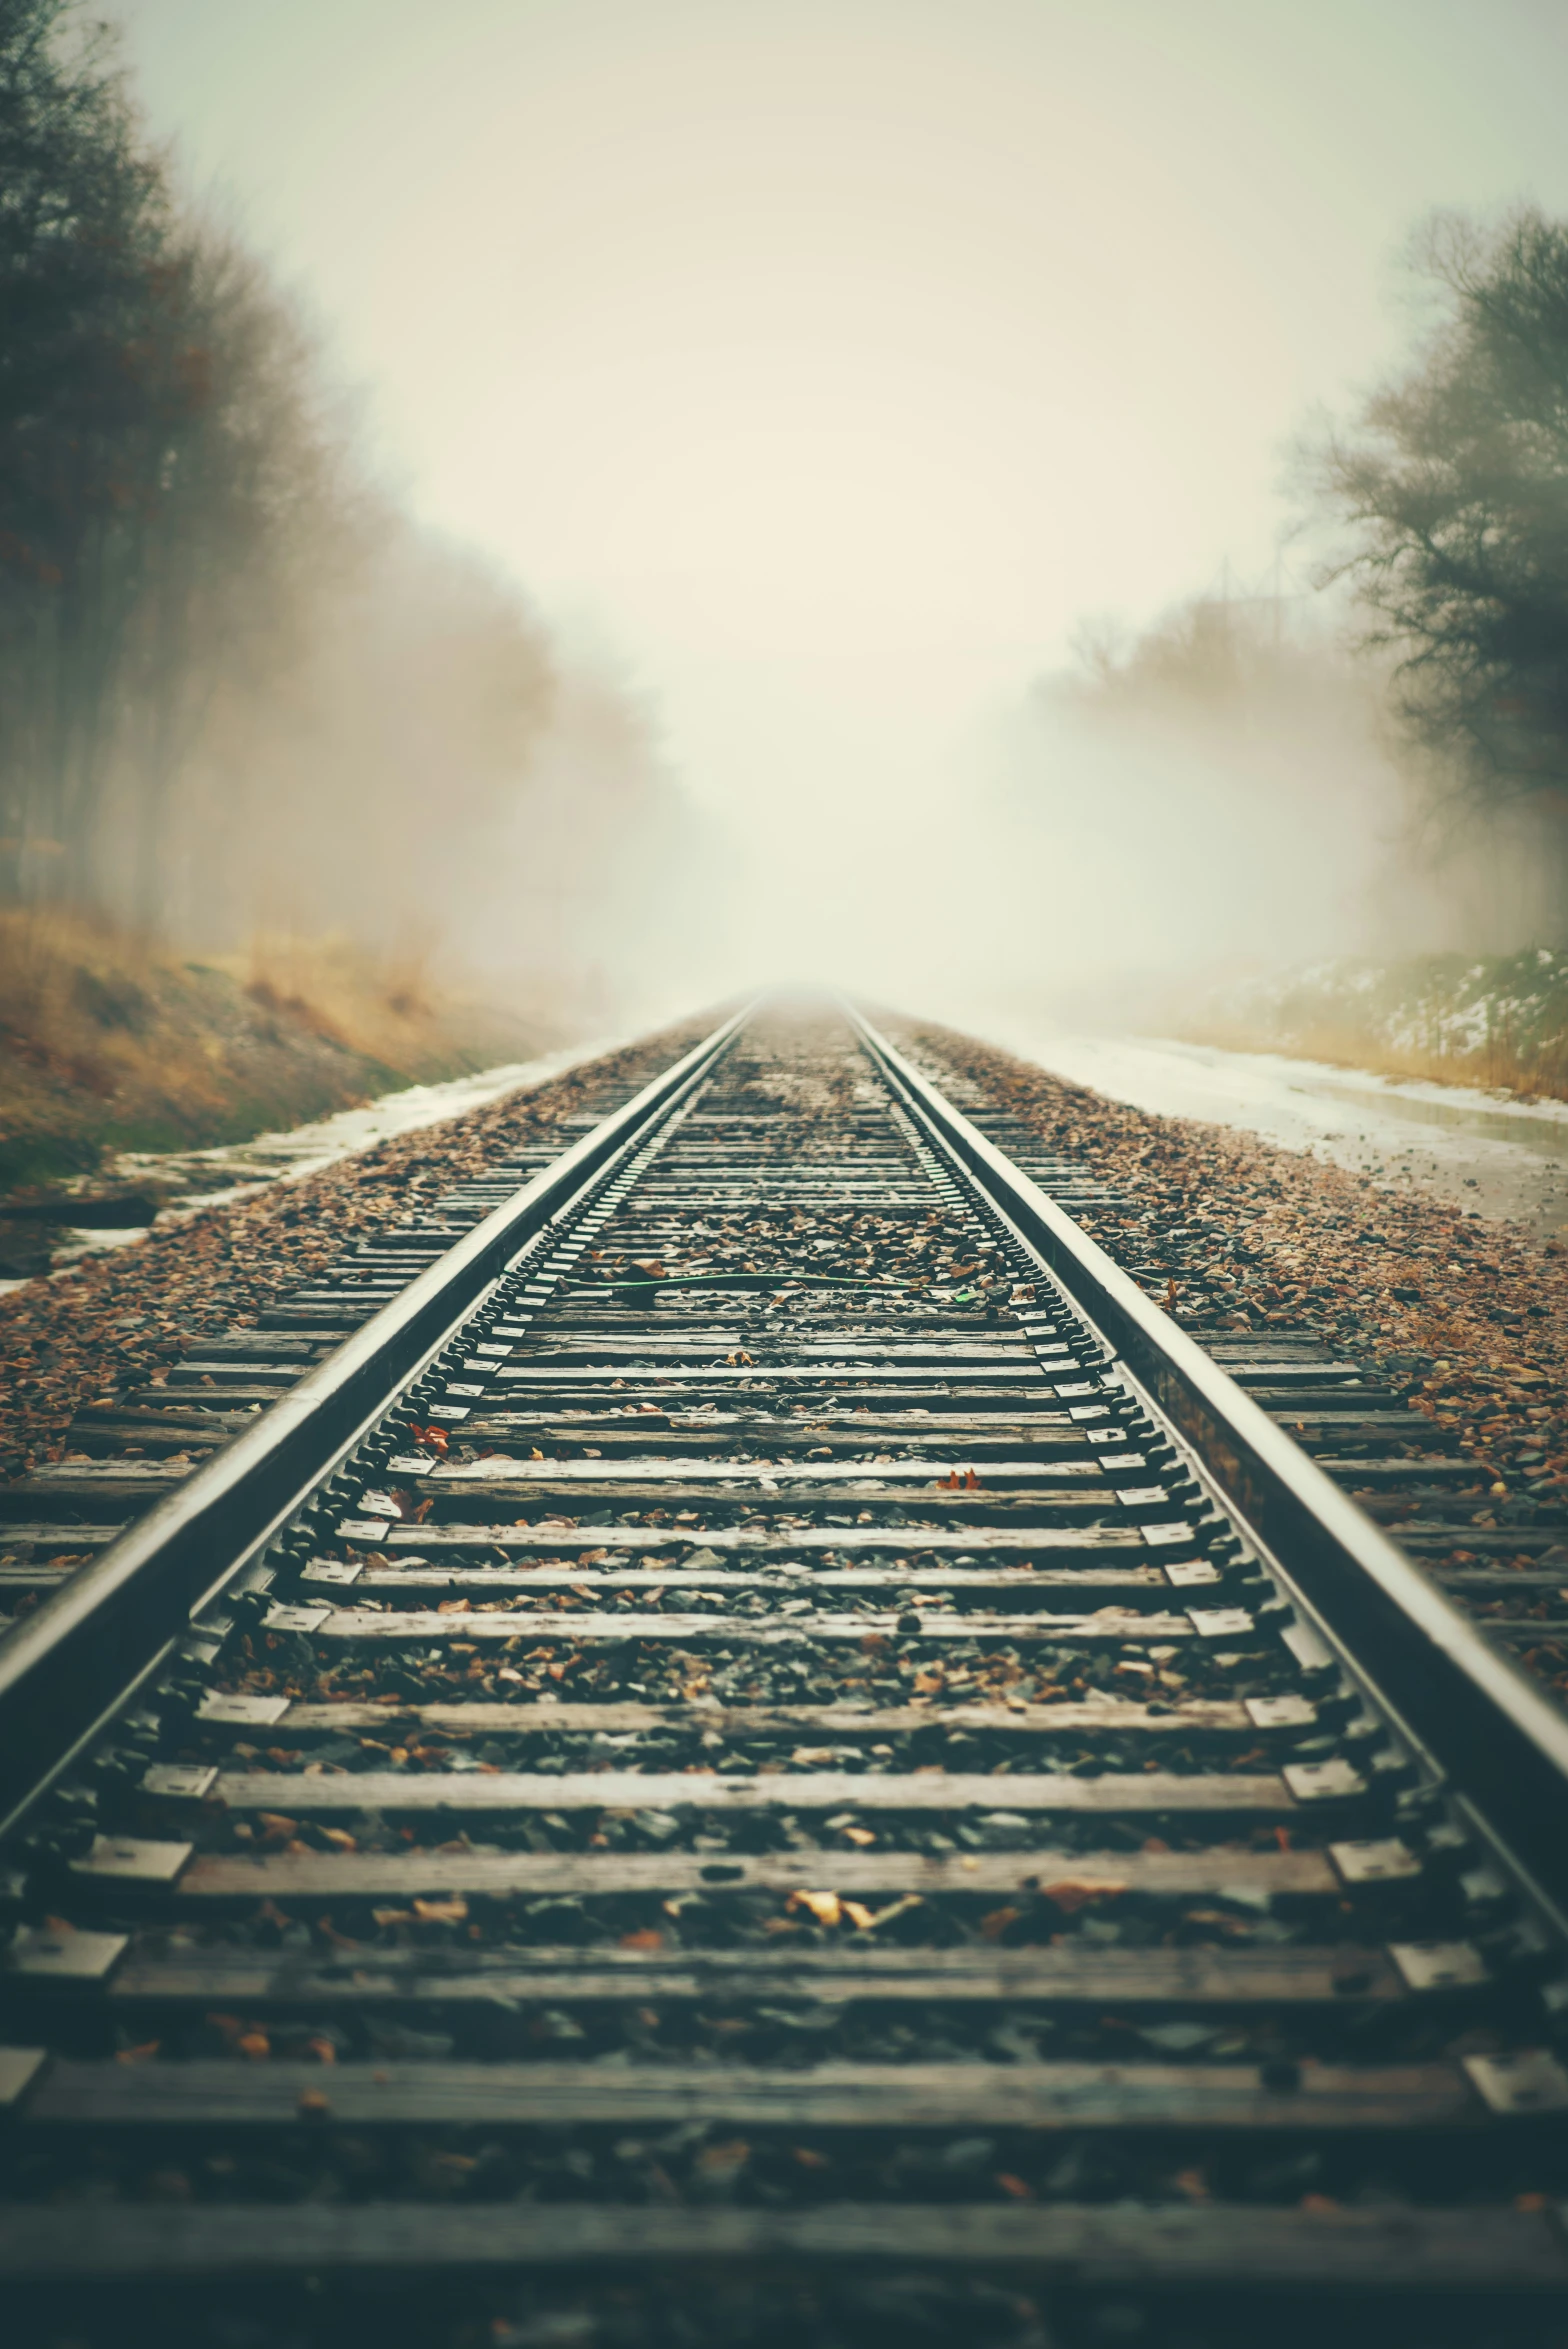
(1498, 1021)
(334, 988)
(80, 1005)
(107, 1039)
(1499, 1065)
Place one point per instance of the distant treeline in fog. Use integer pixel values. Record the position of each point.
(1386, 761)
(237, 684)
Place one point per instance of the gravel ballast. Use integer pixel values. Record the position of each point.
(115, 1322)
(1465, 1319)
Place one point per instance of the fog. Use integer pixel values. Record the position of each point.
(823, 364)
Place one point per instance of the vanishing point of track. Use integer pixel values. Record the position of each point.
(752, 1718)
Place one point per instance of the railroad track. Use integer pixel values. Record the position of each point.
(755, 1745)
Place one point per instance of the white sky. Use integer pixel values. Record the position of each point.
(830, 358)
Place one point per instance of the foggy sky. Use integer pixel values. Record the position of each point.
(829, 359)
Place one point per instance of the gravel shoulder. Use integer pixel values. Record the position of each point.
(1467, 1318)
(115, 1322)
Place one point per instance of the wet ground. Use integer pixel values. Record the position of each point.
(1502, 1157)
(116, 1319)
(202, 1178)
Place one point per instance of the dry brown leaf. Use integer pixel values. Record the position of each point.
(826, 1907)
(442, 1912)
(1072, 1892)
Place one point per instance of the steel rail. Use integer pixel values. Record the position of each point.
(1417, 1959)
(78, 1656)
(1504, 1744)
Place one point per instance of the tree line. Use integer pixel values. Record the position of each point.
(1416, 711)
(236, 683)
(1451, 490)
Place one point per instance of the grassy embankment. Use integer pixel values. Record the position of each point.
(107, 1043)
(1499, 1021)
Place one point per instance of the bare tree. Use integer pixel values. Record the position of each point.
(256, 518)
(1454, 487)
(93, 382)
(235, 682)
